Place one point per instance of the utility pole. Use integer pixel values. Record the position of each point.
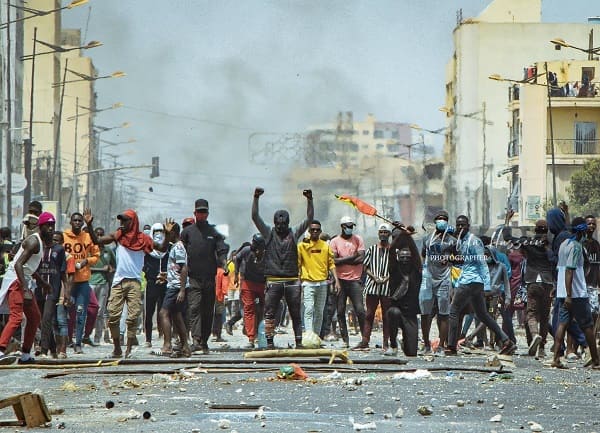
(28, 143)
(485, 210)
(8, 156)
(75, 183)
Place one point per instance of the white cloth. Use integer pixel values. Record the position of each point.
(29, 268)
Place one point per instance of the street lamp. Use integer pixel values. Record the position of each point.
(59, 49)
(112, 143)
(94, 111)
(439, 131)
(484, 122)
(39, 13)
(591, 50)
(531, 81)
(84, 77)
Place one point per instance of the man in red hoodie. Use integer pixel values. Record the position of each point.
(132, 245)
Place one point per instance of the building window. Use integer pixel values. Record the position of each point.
(380, 146)
(585, 138)
(378, 133)
(366, 132)
(395, 134)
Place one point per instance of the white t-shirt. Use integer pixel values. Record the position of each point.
(570, 256)
(129, 264)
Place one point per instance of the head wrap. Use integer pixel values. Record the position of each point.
(134, 239)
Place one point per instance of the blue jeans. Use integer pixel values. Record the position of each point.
(62, 320)
(315, 296)
(81, 293)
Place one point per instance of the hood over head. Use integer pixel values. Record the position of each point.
(556, 221)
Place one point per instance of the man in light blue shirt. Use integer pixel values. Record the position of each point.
(473, 281)
(572, 295)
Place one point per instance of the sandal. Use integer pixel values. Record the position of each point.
(160, 352)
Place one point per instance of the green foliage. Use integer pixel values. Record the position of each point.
(584, 191)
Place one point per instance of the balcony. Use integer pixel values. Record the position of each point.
(574, 147)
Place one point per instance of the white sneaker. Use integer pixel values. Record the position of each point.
(535, 343)
(391, 351)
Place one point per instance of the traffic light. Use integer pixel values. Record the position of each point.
(155, 172)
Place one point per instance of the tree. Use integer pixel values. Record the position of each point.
(584, 191)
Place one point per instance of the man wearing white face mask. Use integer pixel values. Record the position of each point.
(349, 254)
(155, 269)
(434, 297)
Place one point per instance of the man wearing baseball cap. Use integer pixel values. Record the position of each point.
(349, 254)
(17, 289)
(206, 250)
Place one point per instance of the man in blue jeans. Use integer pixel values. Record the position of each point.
(473, 281)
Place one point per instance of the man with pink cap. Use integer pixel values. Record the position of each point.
(17, 290)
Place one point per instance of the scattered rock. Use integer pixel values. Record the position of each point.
(496, 418)
(535, 427)
(460, 403)
(387, 416)
(57, 411)
(368, 410)
(501, 406)
(141, 401)
(424, 410)
(60, 426)
(399, 413)
(133, 414)
(317, 410)
(174, 412)
(109, 404)
(146, 415)
(224, 424)
(480, 401)
(369, 393)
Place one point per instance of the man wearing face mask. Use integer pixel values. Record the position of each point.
(538, 278)
(377, 289)
(281, 264)
(592, 267)
(155, 270)
(474, 280)
(349, 254)
(206, 250)
(405, 280)
(436, 302)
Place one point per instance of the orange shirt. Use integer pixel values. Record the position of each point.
(221, 284)
(81, 247)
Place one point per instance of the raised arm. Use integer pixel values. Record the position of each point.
(256, 219)
(310, 214)
(102, 240)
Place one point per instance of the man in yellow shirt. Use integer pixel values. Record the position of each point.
(315, 261)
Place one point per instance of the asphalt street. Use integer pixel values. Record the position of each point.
(222, 392)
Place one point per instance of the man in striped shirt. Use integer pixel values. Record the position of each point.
(377, 290)
(315, 261)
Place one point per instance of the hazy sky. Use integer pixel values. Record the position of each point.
(225, 69)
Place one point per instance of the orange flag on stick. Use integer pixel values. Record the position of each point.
(358, 204)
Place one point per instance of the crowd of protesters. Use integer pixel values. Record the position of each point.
(83, 281)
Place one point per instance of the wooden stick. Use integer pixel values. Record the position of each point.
(278, 353)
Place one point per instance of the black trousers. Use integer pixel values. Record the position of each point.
(292, 292)
(48, 342)
(405, 319)
(354, 291)
(329, 314)
(201, 309)
(155, 293)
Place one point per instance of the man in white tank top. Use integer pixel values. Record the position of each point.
(16, 290)
(132, 245)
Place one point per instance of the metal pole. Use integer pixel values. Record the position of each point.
(484, 207)
(551, 137)
(8, 168)
(28, 144)
(56, 172)
(75, 184)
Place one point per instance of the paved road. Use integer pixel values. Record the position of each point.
(561, 401)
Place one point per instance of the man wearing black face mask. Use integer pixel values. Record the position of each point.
(349, 254)
(281, 264)
(206, 250)
(538, 278)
